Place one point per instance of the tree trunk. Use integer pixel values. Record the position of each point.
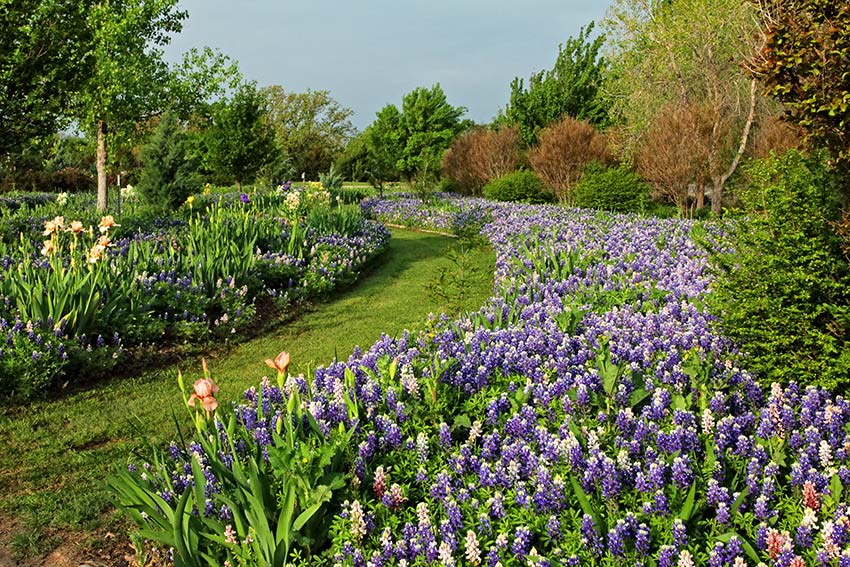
(720, 183)
(700, 195)
(102, 187)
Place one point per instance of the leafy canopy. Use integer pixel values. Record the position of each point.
(311, 128)
(426, 127)
(804, 64)
(42, 65)
(570, 88)
(240, 140)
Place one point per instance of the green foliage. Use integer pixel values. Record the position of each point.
(351, 195)
(426, 127)
(332, 180)
(24, 371)
(340, 220)
(804, 64)
(616, 189)
(452, 285)
(280, 496)
(520, 186)
(169, 175)
(41, 67)
(240, 140)
(383, 147)
(353, 163)
(783, 293)
(311, 128)
(571, 88)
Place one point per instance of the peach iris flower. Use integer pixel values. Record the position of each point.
(280, 363)
(54, 225)
(204, 390)
(106, 223)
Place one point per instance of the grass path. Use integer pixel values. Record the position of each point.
(55, 454)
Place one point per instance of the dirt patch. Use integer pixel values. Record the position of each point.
(102, 549)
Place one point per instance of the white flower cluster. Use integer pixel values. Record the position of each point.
(129, 193)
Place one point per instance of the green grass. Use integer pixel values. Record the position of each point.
(56, 454)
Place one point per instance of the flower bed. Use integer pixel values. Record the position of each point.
(75, 293)
(444, 212)
(589, 414)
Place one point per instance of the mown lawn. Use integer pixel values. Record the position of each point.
(56, 454)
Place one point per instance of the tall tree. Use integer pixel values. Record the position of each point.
(42, 64)
(312, 128)
(240, 139)
(170, 173)
(129, 81)
(383, 147)
(126, 69)
(571, 88)
(687, 52)
(426, 128)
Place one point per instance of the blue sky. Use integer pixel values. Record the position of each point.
(370, 53)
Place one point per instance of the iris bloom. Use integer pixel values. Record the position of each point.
(54, 225)
(48, 248)
(204, 390)
(280, 363)
(106, 223)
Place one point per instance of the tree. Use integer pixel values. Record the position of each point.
(353, 163)
(126, 70)
(782, 290)
(804, 65)
(562, 152)
(240, 139)
(669, 160)
(570, 88)
(426, 127)
(479, 155)
(42, 64)
(383, 147)
(687, 52)
(169, 176)
(130, 82)
(312, 128)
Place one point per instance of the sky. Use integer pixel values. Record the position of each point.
(369, 53)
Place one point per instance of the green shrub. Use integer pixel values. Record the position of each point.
(169, 174)
(350, 195)
(520, 186)
(332, 180)
(616, 189)
(783, 292)
(342, 220)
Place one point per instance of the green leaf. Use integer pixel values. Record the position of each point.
(180, 543)
(739, 500)
(836, 488)
(305, 516)
(688, 506)
(462, 421)
(584, 502)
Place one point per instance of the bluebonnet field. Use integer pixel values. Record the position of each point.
(589, 414)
